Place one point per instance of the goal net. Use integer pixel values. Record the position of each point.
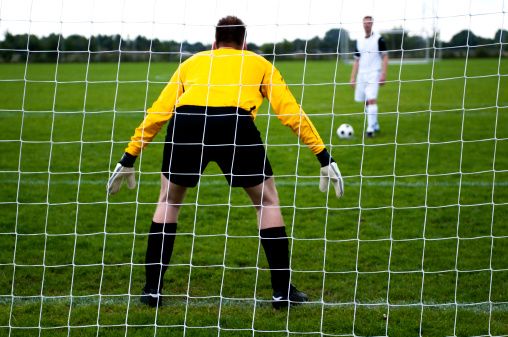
(417, 246)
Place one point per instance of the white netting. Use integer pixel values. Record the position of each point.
(416, 247)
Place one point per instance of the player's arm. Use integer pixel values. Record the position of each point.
(275, 89)
(157, 115)
(384, 64)
(356, 64)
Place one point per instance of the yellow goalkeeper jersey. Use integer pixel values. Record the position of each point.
(226, 78)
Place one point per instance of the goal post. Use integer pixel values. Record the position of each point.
(417, 246)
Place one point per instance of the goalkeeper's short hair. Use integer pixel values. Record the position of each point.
(230, 29)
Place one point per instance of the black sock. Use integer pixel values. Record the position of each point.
(158, 250)
(276, 246)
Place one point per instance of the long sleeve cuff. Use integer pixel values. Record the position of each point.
(324, 158)
(127, 160)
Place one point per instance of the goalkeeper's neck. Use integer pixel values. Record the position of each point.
(229, 45)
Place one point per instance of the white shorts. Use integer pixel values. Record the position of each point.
(367, 86)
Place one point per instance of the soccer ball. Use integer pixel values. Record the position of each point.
(345, 131)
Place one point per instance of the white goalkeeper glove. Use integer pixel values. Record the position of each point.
(330, 173)
(124, 170)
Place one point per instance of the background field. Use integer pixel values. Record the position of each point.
(420, 236)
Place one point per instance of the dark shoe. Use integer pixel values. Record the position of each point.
(296, 297)
(151, 297)
(369, 134)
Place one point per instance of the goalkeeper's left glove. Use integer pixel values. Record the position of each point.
(124, 170)
(330, 172)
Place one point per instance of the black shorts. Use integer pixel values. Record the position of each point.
(197, 135)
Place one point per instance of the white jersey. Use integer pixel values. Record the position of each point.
(370, 51)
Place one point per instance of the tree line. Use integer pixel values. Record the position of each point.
(335, 43)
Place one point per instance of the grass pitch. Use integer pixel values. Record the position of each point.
(417, 246)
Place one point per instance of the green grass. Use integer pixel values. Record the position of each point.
(420, 236)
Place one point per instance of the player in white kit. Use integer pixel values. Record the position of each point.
(369, 71)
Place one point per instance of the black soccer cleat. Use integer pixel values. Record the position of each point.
(151, 297)
(369, 134)
(296, 297)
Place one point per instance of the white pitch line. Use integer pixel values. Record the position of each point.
(279, 182)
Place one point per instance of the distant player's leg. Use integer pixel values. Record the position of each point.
(161, 239)
(371, 109)
(275, 243)
(361, 89)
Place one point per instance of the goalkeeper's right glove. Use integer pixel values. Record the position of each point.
(124, 170)
(330, 172)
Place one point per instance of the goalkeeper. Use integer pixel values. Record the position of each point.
(211, 102)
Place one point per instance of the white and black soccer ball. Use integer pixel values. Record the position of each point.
(345, 131)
